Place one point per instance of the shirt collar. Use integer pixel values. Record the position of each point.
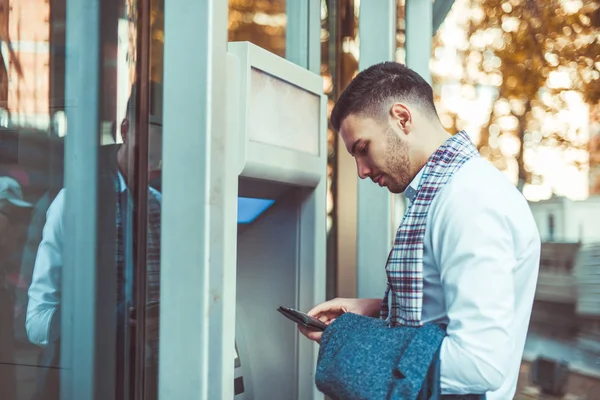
(411, 191)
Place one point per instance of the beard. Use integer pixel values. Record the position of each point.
(397, 163)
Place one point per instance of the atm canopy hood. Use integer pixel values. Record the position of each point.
(278, 114)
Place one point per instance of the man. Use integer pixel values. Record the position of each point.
(30, 247)
(43, 312)
(13, 216)
(467, 252)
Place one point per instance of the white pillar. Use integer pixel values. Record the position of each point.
(303, 34)
(419, 27)
(196, 356)
(88, 329)
(377, 35)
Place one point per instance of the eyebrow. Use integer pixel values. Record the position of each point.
(354, 145)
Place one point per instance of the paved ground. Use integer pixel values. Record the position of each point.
(579, 387)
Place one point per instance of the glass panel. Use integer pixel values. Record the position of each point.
(32, 129)
(157, 45)
(33, 204)
(329, 57)
(400, 55)
(152, 187)
(260, 22)
(141, 161)
(339, 64)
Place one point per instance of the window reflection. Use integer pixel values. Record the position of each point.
(31, 175)
(33, 129)
(261, 22)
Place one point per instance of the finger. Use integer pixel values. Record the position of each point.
(320, 309)
(310, 334)
(334, 306)
(303, 330)
(314, 335)
(328, 316)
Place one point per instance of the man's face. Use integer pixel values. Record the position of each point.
(154, 146)
(379, 152)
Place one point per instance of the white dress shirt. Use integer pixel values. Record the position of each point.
(480, 266)
(43, 320)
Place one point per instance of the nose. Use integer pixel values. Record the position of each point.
(363, 170)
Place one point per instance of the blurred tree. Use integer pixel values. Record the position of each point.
(157, 39)
(261, 22)
(534, 52)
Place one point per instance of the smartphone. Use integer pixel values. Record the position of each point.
(303, 319)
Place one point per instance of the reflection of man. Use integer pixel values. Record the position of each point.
(12, 216)
(30, 247)
(43, 312)
(467, 252)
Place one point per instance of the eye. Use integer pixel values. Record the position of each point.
(364, 149)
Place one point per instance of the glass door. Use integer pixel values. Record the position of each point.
(140, 63)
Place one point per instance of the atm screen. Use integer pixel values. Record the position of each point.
(250, 208)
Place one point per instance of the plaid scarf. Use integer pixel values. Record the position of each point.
(404, 267)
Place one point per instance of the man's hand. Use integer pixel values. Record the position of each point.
(327, 312)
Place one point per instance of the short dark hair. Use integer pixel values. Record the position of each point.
(129, 114)
(380, 83)
(130, 110)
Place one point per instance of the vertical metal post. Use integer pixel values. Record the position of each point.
(314, 36)
(303, 34)
(419, 26)
(345, 185)
(57, 57)
(193, 108)
(88, 287)
(139, 186)
(441, 8)
(377, 34)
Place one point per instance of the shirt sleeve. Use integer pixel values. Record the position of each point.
(43, 317)
(473, 247)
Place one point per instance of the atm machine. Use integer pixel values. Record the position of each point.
(279, 148)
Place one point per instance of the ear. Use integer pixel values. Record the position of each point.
(124, 130)
(401, 117)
